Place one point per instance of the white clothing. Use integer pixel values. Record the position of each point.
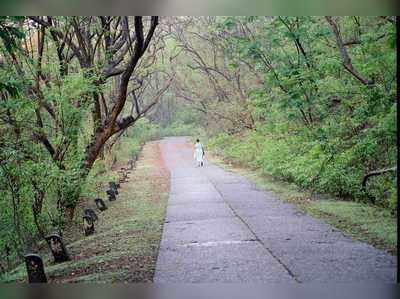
(198, 152)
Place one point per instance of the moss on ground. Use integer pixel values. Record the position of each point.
(125, 245)
(367, 223)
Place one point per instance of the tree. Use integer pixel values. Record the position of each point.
(47, 147)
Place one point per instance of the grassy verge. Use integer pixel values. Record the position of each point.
(125, 245)
(361, 221)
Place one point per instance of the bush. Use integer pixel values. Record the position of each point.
(325, 167)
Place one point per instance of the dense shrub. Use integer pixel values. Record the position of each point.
(308, 165)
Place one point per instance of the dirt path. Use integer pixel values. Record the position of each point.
(127, 235)
(125, 245)
(221, 228)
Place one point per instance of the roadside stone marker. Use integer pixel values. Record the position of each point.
(113, 186)
(91, 213)
(131, 164)
(111, 195)
(35, 269)
(121, 176)
(88, 225)
(124, 174)
(58, 249)
(100, 204)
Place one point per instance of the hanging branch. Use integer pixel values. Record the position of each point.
(375, 173)
(371, 174)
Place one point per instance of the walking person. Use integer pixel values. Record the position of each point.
(199, 153)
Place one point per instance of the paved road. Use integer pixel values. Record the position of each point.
(220, 228)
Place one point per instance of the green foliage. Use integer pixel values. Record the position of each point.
(9, 33)
(364, 222)
(29, 176)
(271, 92)
(316, 124)
(310, 164)
(144, 131)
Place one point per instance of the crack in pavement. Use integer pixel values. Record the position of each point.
(290, 272)
(217, 243)
(219, 227)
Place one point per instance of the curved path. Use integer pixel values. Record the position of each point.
(220, 228)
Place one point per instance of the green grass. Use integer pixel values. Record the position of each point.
(361, 221)
(365, 222)
(125, 245)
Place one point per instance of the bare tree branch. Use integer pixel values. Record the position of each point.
(345, 56)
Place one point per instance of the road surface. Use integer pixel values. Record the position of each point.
(221, 228)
